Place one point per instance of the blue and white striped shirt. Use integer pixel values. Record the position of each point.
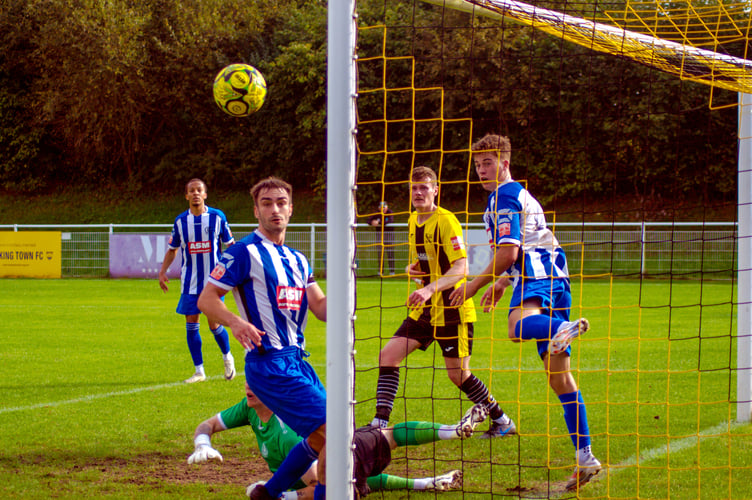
(269, 282)
(514, 216)
(199, 237)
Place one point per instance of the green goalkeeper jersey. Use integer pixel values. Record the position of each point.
(275, 439)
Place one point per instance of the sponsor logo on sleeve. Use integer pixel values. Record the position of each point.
(218, 271)
(289, 297)
(457, 243)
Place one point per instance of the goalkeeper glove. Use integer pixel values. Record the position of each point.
(204, 451)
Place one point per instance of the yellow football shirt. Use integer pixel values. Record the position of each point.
(436, 244)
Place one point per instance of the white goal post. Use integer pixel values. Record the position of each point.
(340, 246)
(744, 266)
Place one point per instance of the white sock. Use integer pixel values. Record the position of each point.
(504, 419)
(227, 356)
(200, 369)
(448, 432)
(422, 483)
(379, 423)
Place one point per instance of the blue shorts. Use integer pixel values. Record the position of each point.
(188, 304)
(288, 385)
(553, 295)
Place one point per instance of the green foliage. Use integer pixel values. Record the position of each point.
(127, 95)
(113, 91)
(582, 124)
(19, 147)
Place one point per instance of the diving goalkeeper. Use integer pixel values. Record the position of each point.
(372, 446)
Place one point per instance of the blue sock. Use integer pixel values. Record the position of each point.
(319, 492)
(222, 338)
(194, 343)
(537, 326)
(292, 468)
(575, 415)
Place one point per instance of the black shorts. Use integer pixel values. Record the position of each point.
(372, 455)
(456, 341)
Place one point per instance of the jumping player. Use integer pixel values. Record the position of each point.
(527, 254)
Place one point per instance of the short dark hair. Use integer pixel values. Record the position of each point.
(420, 173)
(270, 183)
(195, 179)
(494, 143)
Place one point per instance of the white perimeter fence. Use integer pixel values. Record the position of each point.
(684, 250)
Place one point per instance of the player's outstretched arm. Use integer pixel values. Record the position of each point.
(203, 451)
(494, 293)
(504, 257)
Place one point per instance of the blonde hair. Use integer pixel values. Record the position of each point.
(490, 143)
(420, 173)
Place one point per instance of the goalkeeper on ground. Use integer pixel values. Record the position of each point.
(372, 446)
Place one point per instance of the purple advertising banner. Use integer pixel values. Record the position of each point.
(134, 255)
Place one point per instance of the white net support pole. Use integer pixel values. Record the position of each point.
(744, 238)
(340, 247)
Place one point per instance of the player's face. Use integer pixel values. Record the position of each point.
(195, 193)
(251, 399)
(273, 209)
(423, 194)
(490, 169)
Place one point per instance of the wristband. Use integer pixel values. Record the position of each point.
(202, 440)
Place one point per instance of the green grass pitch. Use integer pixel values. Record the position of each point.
(93, 404)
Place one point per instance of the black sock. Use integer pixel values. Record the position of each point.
(386, 391)
(477, 392)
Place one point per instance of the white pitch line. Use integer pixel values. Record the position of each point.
(92, 397)
(674, 446)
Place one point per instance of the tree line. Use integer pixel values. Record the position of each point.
(114, 91)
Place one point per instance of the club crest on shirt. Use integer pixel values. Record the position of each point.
(196, 247)
(289, 297)
(218, 271)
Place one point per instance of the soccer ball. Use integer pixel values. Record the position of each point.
(239, 89)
